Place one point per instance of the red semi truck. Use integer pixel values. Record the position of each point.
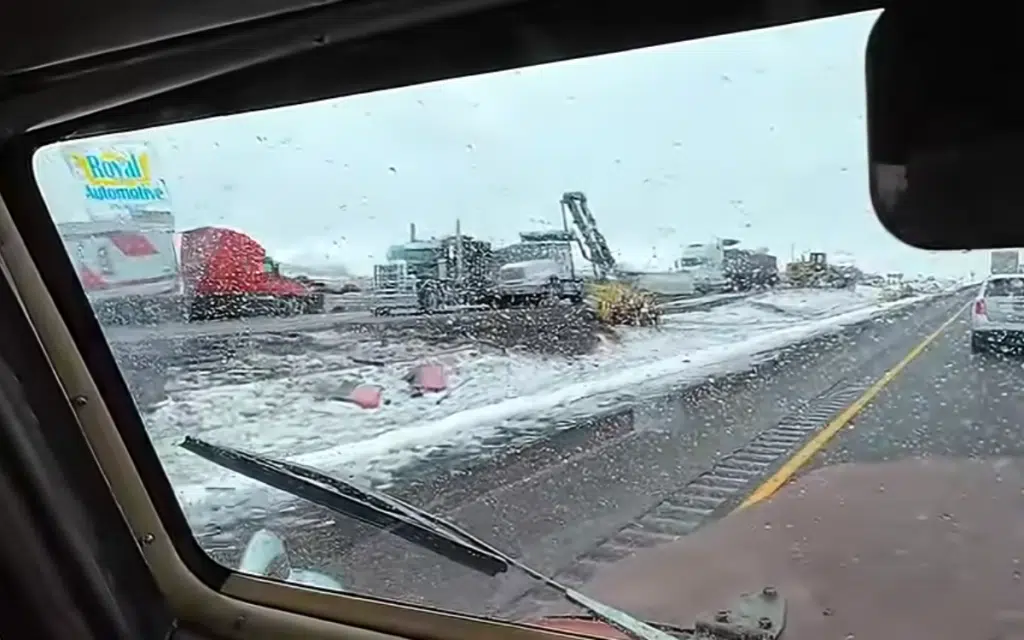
(227, 274)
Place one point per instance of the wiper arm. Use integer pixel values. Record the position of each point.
(436, 534)
(376, 509)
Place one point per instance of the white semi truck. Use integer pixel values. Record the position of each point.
(720, 266)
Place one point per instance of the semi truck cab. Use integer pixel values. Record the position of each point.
(228, 274)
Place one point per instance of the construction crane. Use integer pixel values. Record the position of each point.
(617, 301)
(591, 241)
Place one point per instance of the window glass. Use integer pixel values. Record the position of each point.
(1004, 287)
(693, 212)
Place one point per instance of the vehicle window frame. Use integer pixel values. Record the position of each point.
(90, 584)
(203, 592)
(220, 75)
(219, 600)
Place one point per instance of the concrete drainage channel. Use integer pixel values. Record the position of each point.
(707, 497)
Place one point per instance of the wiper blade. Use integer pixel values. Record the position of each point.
(371, 507)
(419, 527)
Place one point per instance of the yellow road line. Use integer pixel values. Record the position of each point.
(822, 438)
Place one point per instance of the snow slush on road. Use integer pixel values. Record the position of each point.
(388, 405)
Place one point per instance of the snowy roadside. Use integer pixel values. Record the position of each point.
(499, 399)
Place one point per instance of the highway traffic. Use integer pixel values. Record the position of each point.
(656, 470)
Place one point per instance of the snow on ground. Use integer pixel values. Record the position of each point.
(286, 406)
(810, 303)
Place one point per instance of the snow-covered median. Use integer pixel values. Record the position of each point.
(496, 398)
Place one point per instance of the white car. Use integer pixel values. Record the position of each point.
(997, 314)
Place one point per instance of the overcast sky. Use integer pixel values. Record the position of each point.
(759, 136)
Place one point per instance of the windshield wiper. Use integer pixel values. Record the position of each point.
(420, 527)
(371, 507)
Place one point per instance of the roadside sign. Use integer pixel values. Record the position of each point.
(118, 179)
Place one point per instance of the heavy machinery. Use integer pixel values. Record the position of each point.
(450, 271)
(617, 299)
(814, 271)
(461, 270)
(537, 269)
(618, 303)
(591, 241)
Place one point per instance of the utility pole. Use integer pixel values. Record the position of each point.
(458, 250)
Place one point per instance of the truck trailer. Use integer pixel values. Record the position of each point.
(746, 270)
(126, 265)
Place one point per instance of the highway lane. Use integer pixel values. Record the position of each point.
(554, 503)
(946, 402)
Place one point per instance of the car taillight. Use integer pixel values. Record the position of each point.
(979, 308)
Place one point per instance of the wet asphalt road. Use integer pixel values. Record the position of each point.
(551, 503)
(946, 402)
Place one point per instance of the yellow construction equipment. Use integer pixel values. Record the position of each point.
(618, 303)
(615, 301)
(815, 271)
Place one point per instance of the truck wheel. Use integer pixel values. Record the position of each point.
(431, 301)
(553, 293)
(290, 306)
(314, 304)
(977, 344)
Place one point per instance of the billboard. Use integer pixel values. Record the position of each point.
(118, 179)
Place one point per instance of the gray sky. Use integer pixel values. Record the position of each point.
(759, 136)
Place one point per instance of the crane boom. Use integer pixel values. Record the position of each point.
(596, 250)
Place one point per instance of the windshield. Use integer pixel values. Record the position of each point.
(1004, 287)
(414, 255)
(573, 420)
